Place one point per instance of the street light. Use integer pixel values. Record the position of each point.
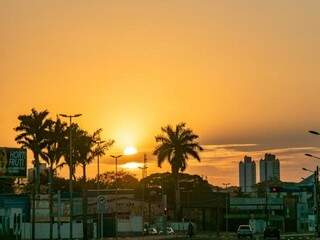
(71, 169)
(115, 157)
(310, 155)
(316, 186)
(307, 170)
(98, 158)
(227, 205)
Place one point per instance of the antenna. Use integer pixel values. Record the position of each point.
(145, 167)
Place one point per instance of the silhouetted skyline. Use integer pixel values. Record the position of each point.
(236, 72)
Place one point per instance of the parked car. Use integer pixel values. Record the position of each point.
(271, 233)
(244, 231)
(152, 231)
(169, 231)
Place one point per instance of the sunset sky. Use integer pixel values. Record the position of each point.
(244, 75)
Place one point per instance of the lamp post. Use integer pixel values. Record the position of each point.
(316, 198)
(314, 132)
(227, 205)
(98, 190)
(115, 157)
(316, 184)
(70, 170)
(312, 156)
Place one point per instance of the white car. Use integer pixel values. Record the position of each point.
(244, 231)
(169, 231)
(152, 231)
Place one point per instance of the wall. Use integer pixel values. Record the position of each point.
(42, 230)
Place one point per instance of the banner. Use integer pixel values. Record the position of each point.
(13, 162)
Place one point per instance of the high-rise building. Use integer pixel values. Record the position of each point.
(247, 174)
(269, 168)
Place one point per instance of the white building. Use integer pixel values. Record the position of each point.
(247, 174)
(269, 168)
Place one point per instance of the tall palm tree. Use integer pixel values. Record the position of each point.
(54, 150)
(177, 146)
(32, 135)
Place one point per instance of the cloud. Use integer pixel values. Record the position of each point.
(220, 162)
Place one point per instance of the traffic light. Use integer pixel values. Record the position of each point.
(275, 189)
(165, 211)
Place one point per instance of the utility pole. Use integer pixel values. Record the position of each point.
(145, 167)
(70, 171)
(33, 227)
(227, 204)
(144, 175)
(116, 200)
(266, 193)
(59, 213)
(99, 224)
(316, 181)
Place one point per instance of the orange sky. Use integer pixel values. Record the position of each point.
(235, 71)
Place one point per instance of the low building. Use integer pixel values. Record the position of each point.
(245, 209)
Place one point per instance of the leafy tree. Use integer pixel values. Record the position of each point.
(177, 146)
(163, 183)
(125, 180)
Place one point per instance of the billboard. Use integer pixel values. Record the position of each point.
(13, 162)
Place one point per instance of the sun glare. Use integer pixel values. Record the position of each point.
(130, 150)
(132, 165)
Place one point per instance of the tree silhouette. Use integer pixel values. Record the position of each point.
(52, 155)
(177, 146)
(86, 148)
(32, 131)
(32, 135)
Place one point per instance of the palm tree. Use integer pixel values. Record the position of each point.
(32, 135)
(54, 150)
(88, 147)
(177, 146)
(32, 129)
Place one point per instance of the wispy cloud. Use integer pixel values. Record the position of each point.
(220, 162)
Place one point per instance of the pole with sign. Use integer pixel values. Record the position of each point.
(101, 209)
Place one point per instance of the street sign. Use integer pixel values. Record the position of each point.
(101, 204)
(13, 162)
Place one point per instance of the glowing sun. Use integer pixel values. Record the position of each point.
(130, 150)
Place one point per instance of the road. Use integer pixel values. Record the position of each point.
(215, 237)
